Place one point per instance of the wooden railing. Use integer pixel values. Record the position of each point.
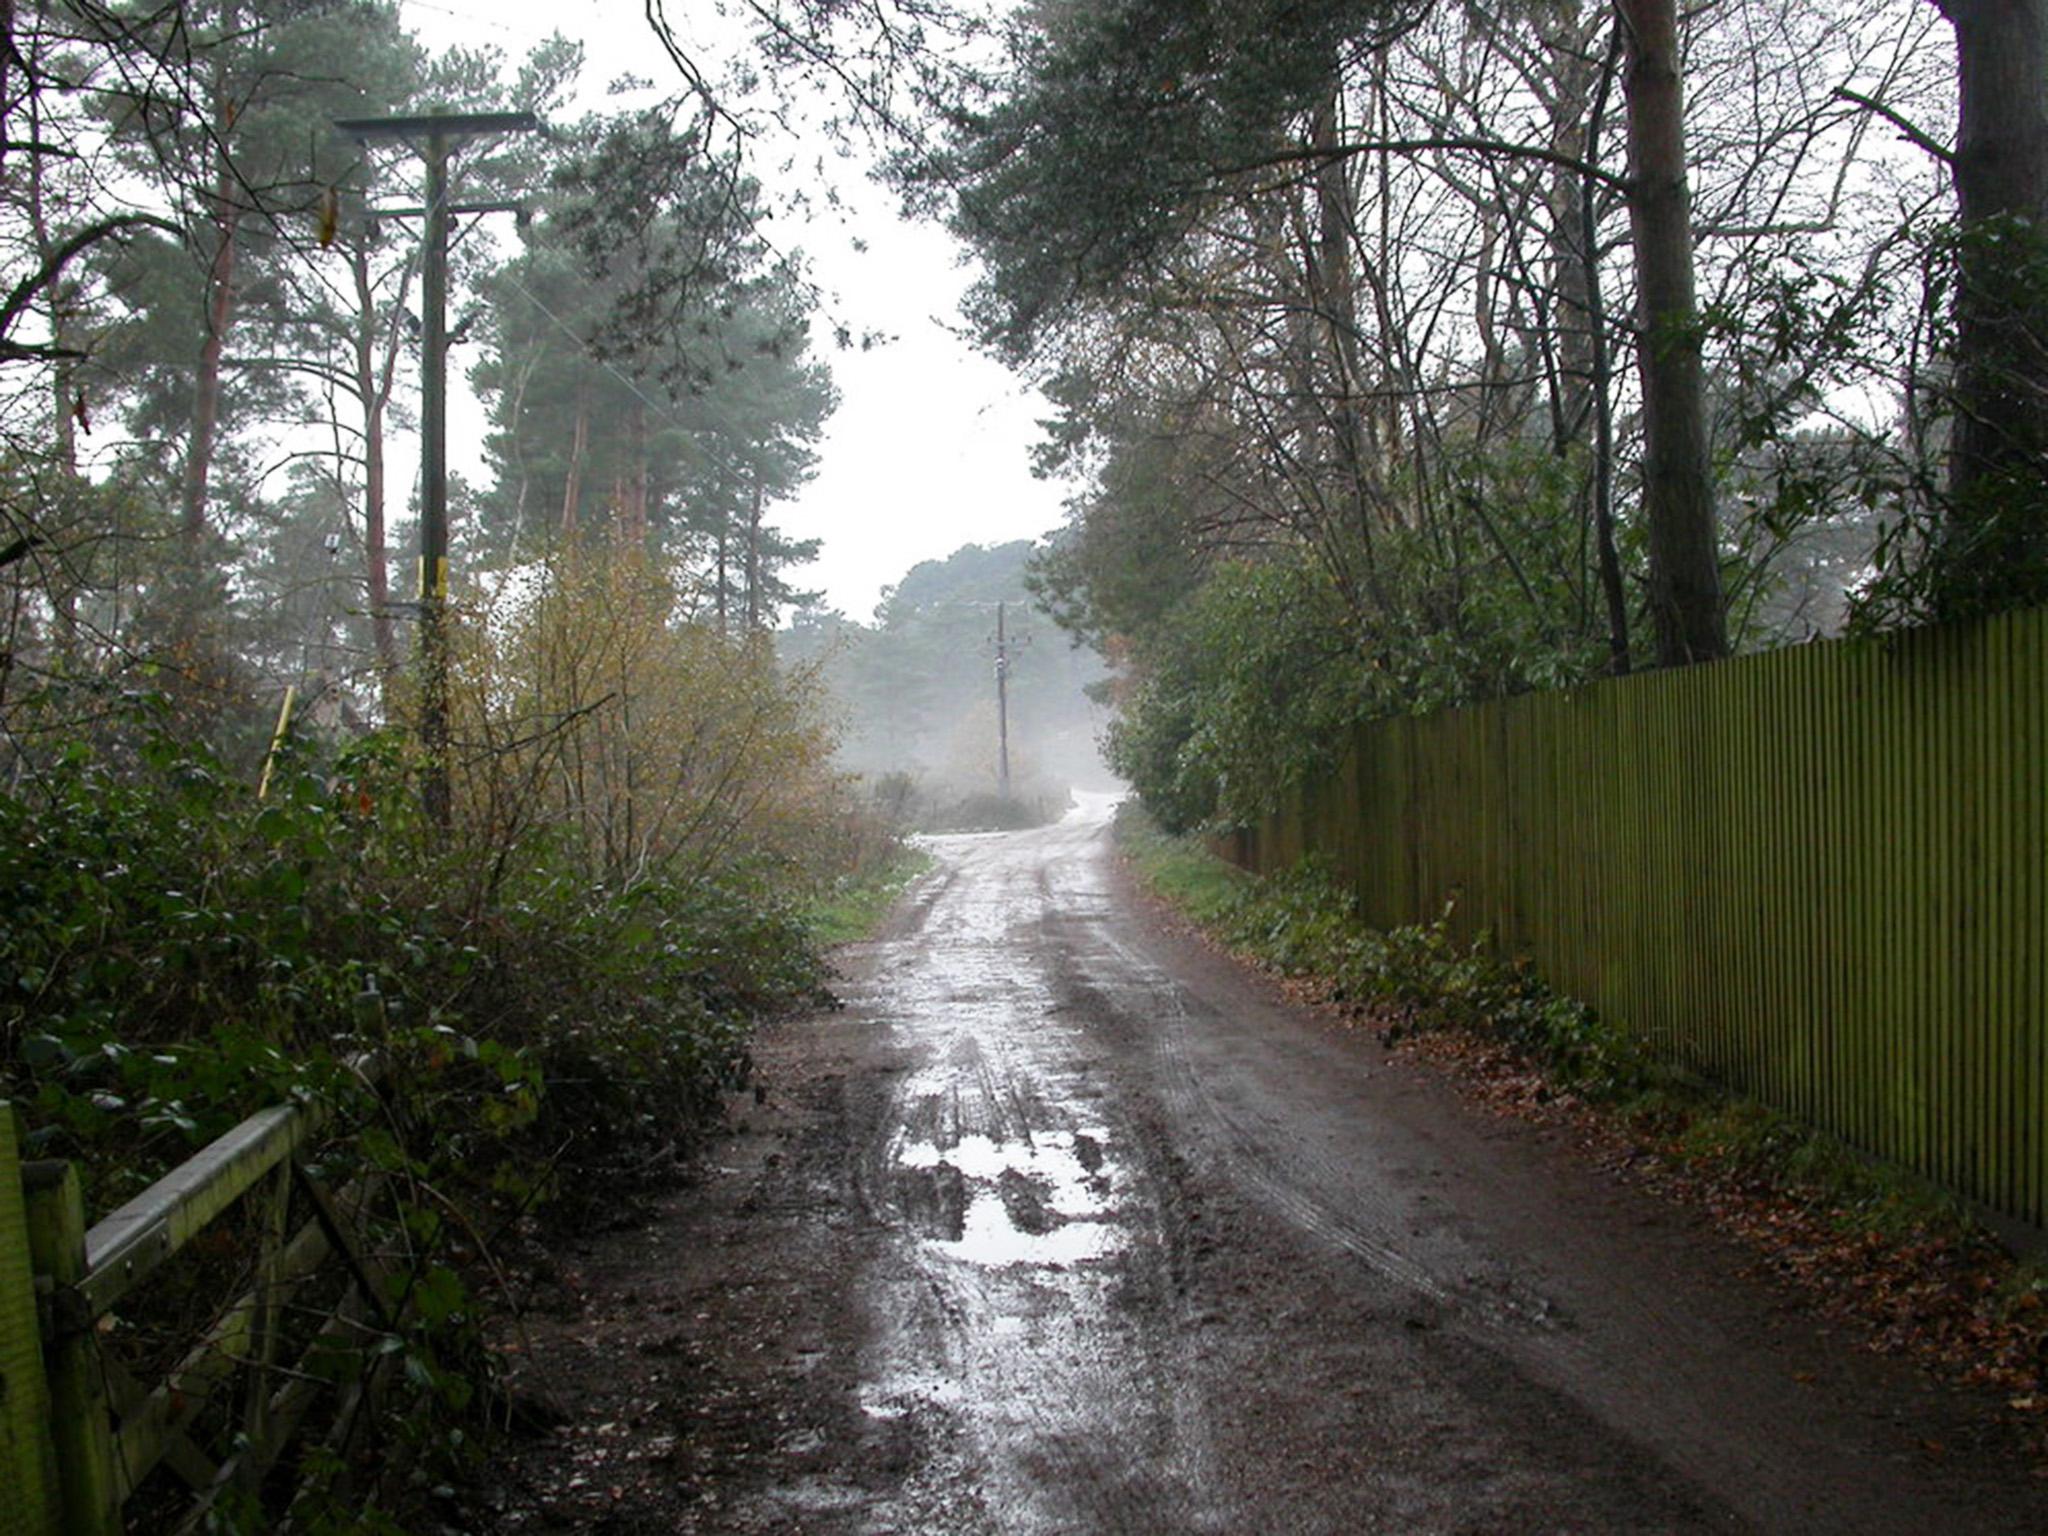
(29, 1504)
(298, 1325)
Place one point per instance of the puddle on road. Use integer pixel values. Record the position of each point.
(1046, 1202)
(1005, 1347)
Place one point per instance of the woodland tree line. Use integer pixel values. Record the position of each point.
(216, 324)
(218, 882)
(1423, 352)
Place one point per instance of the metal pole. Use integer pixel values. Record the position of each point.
(1002, 708)
(434, 488)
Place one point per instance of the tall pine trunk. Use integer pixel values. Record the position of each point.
(724, 539)
(376, 556)
(63, 581)
(638, 533)
(1991, 551)
(1576, 76)
(1600, 380)
(572, 483)
(1678, 495)
(220, 313)
(754, 605)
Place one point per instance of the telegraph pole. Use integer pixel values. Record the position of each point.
(432, 137)
(1002, 708)
(1003, 649)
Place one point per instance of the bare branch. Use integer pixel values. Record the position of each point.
(52, 265)
(1313, 155)
(1912, 134)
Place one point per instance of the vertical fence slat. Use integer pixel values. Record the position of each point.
(2030, 787)
(1913, 887)
(1853, 808)
(1992, 1069)
(1947, 827)
(1906, 881)
(1823, 886)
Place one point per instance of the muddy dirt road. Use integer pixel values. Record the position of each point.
(1067, 1225)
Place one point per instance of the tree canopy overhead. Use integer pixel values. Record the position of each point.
(216, 337)
(1116, 127)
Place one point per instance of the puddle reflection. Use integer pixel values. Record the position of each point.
(1046, 1202)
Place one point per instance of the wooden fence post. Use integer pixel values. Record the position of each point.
(81, 1428)
(28, 1482)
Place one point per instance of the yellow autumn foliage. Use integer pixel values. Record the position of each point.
(589, 702)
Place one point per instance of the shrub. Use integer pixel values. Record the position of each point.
(175, 953)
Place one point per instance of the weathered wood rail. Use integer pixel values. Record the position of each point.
(293, 1329)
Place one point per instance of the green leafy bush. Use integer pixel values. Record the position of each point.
(1252, 686)
(175, 953)
(1246, 693)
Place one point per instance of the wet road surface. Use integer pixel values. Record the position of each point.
(1066, 1224)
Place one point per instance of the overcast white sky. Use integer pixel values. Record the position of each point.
(928, 450)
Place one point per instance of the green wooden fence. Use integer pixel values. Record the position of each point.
(28, 1467)
(291, 1343)
(1820, 874)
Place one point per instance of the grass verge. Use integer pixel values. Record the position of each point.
(1865, 1240)
(1179, 870)
(855, 907)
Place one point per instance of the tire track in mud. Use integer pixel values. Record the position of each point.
(1293, 1179)
(1458, 1285)
(1005, 1344)
(1030, 1229)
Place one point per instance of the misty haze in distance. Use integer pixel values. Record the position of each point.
(916, 688)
